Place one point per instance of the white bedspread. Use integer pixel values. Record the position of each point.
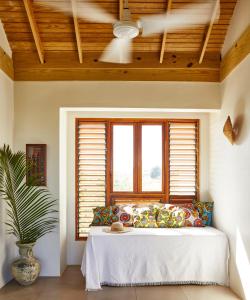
(156, 256)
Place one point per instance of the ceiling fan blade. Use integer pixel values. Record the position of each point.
(85, 10)
(187, 17)
(118, 51)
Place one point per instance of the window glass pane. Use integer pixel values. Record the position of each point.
(151, 158)
(123, 143)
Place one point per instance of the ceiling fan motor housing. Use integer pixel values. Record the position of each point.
(125, 29)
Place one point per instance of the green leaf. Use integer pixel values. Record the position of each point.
(31, 209)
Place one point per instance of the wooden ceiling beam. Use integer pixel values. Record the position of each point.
(121, 6)
(77, 30)
(145, 66)
(34, 29)
(164, 37)
(6, 64)
(209, 30)
(236, 54)
(141, 60)
(118, 75)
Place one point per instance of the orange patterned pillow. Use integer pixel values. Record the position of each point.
(192, 217)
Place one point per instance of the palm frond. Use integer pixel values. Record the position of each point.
(31, 209)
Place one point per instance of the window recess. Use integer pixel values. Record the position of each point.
(134, 161)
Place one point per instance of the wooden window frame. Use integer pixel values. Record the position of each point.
(111, 196)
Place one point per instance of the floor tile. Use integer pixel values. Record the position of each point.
(14, 291)
(208, 293)
(110, 293)
(71, 286)
(160, 293)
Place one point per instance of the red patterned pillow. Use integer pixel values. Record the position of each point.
(192, 217)
(124, 214)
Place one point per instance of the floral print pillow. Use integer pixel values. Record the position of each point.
(171, 216)
(104, 216)
(145, 217)
(124, 214)
(192, 217)
(205, 211)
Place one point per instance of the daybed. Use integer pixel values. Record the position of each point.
(156, 256)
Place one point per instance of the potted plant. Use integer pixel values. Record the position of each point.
(30, 212)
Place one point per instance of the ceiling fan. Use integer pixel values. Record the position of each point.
(125, 29)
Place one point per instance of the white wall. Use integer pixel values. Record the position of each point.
(7, 247)
(190, 95)
(37, 107)
(229, 179)
(229, 166)
(75, 248)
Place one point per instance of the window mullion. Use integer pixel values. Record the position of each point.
(108, 162)
(166, 160)
(137, 157)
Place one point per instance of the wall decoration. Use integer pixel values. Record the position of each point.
(228, 130)
(37, 153)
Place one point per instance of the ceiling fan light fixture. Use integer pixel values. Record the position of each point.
(125, 29)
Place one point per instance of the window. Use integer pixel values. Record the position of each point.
(130, 159)
(91, 173)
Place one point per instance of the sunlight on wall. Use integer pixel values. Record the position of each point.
(243, 264)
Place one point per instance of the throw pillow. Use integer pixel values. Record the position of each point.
(192, 218)
(205, 211)
(171, 216)
(104, 216)
(145, 217)
(124, 214)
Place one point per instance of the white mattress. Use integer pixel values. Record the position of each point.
(156, 256)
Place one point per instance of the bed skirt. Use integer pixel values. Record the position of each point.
(158, 283)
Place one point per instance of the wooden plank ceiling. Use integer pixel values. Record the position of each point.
(49, 45)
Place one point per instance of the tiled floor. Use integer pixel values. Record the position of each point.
(71, 287)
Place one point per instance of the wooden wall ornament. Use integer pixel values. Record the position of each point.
(37, 154)
(228, 130)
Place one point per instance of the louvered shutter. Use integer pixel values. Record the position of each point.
(91, 168)
(183, 165)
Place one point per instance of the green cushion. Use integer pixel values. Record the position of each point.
(171, 216)
(145, 217)
(104, 216)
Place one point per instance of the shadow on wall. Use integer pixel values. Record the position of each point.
(6, 249)
(2, 244)
(240, 122)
